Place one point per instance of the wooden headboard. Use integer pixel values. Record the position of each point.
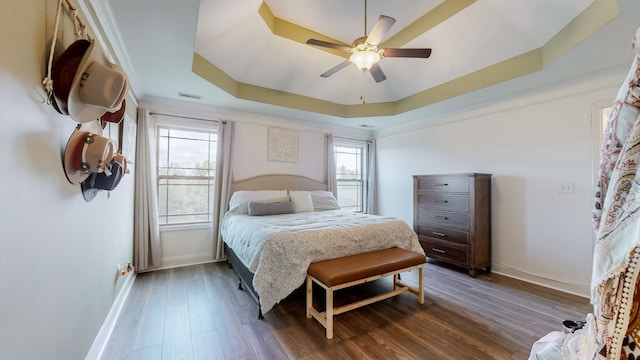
(278, 182)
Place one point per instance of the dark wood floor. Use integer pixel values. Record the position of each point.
(197, 312)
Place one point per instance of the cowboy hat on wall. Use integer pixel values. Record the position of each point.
(85, 84)
(87, 152)
(114, 116)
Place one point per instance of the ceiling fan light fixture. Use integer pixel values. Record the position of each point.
(364, 59)
(365, 53)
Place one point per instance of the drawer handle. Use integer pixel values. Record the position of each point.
(439, 233)
(440, 184)
(441, 217)
(441, 201)
(439, 250)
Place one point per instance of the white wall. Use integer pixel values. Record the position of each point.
(530, 143)
(186, 245)
(250, 153)
(58, 253)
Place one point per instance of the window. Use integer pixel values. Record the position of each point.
(186, 175)
(350, 176)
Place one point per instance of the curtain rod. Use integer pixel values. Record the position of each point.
(348, 138)
(187, 117)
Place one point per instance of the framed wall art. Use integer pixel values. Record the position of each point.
(128, 138)
(282, 145)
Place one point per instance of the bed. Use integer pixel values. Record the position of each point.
(277, 225)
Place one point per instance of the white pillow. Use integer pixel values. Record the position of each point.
(240, 197)
(301, 201)
(324, 200)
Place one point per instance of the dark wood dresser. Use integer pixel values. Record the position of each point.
(452, 217)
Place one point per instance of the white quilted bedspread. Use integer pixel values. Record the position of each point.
(279, 248)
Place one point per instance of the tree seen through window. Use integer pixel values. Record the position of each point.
(349, 177)
(186, 175)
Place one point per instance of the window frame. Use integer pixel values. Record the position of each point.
(189, 125)
(362, 146)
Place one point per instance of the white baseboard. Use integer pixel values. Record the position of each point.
(177, 261)
(101, 340)
(582, 290)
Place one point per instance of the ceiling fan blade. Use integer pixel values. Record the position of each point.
(411, 53)
(335, 69)
(380, 29)
(377, 73)
(328, 45)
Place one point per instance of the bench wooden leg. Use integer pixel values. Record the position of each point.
(309, 296)
(421, 285)
(329, 313)
(419, 291)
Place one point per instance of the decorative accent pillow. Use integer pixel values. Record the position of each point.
(270, 208)
(324, 200)
(240, 197)
(301, 201)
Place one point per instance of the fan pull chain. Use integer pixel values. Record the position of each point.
(362, 87)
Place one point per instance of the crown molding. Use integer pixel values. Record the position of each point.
(100, 18)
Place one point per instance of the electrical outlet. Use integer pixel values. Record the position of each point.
(122, 270)
(565, 188)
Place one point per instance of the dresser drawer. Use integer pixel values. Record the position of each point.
(435, 217)
(443, 251)
(443, 184)
(457, 202)
(445, 234)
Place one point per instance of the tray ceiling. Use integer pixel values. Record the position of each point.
(252, 55)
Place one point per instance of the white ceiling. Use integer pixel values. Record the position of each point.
(158, 38)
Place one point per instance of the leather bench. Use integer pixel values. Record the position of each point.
(340, 273)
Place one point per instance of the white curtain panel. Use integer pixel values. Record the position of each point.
(372, 188)
(146, 250)
(223, 182)
(330, 175)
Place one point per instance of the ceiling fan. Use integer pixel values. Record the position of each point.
(365, 53)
